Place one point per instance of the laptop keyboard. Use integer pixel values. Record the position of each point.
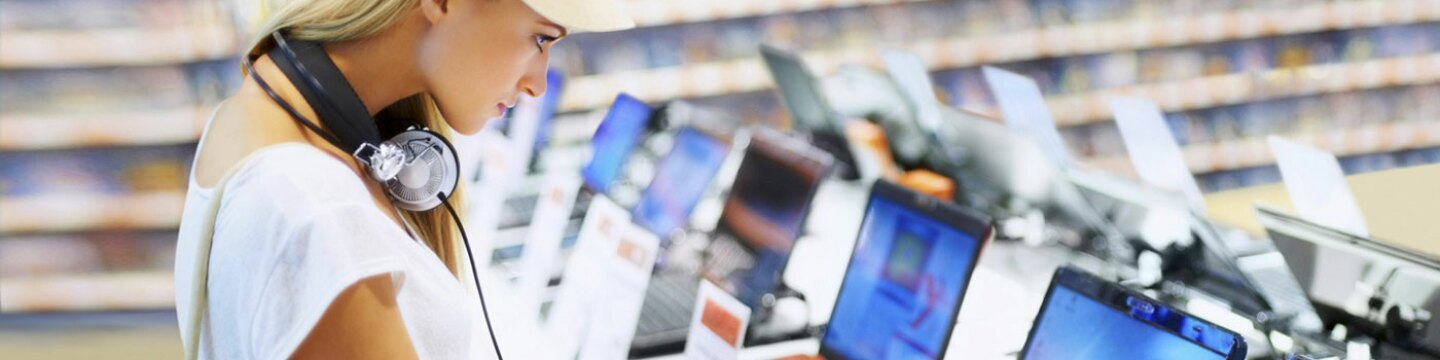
(518, 211)
(1281, 289)
(1273, 280)
(669, 303)
(725, 255)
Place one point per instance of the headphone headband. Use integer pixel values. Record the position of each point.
(337, 105)
(417, 167)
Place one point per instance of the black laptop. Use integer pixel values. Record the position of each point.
(762, 217)
(1085, 317)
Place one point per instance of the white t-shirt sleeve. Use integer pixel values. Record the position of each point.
(307, 235)
(319, 261)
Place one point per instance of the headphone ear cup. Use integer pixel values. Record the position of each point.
(431, 167)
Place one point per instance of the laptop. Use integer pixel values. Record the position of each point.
(809, 110)
(680, 180)
(615, 139)
(1353, 279)
(761, 218)
(901, 294)
(1252, 279)
(1085, 317)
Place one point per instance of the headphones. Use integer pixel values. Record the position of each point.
(418, 168)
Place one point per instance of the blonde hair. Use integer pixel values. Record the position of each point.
(343, 20)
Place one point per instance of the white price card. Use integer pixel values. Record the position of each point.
(1153, 150)
(575, 301)
(1025, 111)
(542, 240)
(631, 261)
(600, 297)
(486, 197)
(717, 328)
(1317, 186)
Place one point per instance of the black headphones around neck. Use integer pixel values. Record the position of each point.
(418, 168)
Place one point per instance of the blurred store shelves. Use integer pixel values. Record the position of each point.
(124, 128)
(649, 13)
(68, 212)
(116, 47)
(89, 292)
(746, 75)
(1254, 152)
(1230, 89)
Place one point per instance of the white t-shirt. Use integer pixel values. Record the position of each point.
(295, 228)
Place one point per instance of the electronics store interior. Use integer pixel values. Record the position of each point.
(805, 179)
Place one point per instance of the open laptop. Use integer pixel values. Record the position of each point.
(614, 140)
(680, 180)
(810, 111)
(1233, 267)
(761, 218)
(1362, 282)
(1085, 317)
(901, 294)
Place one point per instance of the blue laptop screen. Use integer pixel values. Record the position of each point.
(680, 181)
(1077, 327)
(613, 141)
(900, 293)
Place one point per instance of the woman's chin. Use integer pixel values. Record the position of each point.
(471, 122)
(472, 129)
(469, 127)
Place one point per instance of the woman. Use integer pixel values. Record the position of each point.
(306, 256)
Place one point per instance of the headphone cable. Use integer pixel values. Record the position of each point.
(474, 274)
(264, 85)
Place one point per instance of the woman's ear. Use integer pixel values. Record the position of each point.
(434, 10)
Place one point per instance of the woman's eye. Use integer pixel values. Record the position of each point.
(541, 40)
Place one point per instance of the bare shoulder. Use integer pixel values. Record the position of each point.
(242, 125)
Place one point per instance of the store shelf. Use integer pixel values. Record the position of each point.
(667, 12)
(745, 75)
(115, 47)
(131, 128)
(1253, 152)
(1230, 89)
(106, 292)
(86, 212)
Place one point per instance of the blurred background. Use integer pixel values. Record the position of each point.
(101, 103)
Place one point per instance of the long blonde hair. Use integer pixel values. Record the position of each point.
(342, 20)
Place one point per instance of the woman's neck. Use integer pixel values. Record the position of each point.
(378, 66)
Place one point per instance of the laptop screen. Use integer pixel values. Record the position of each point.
(798, 89)
(1330, 264)
(614, 140)
(903, 288)
(681, 180)
(767, 206)
(1088, 318)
